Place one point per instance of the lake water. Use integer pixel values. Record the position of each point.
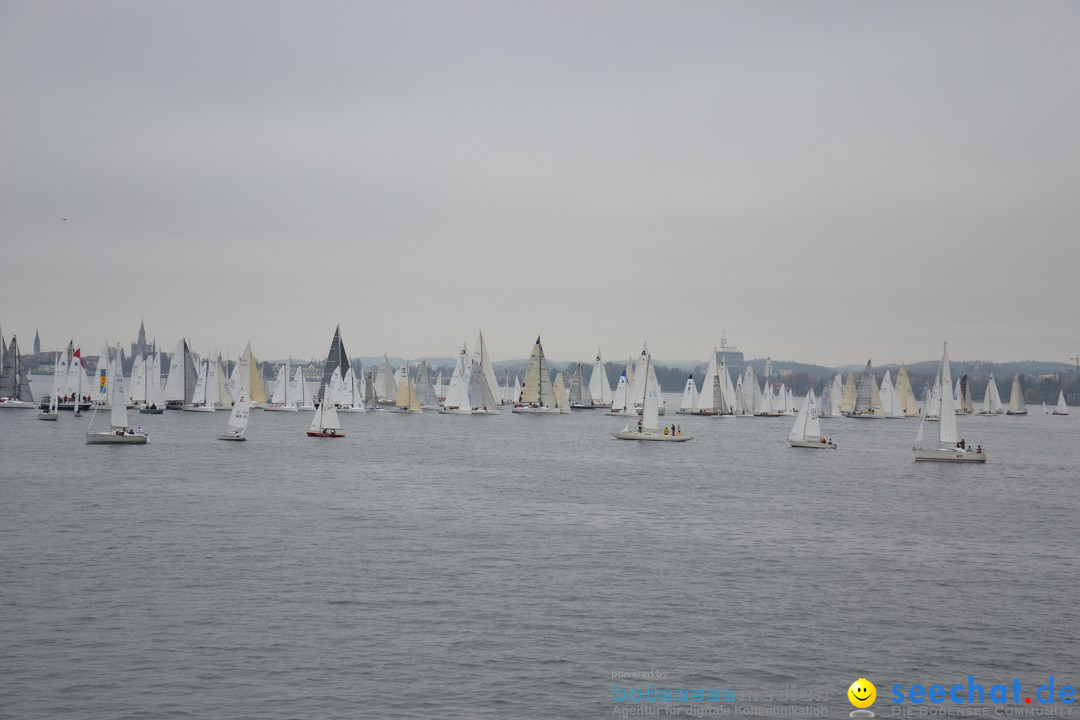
(435, 566)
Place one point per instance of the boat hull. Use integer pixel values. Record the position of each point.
(950, 455)
(650, 436)
(237, 438)
(48, 416)
(198, 408)
(152, 411)
(111, 438)
(1010, 412)
(320, 434)
(620, 413)
(536, 411)
(351, 410)
(811, 444)
(280, 408)
(17, 405)
(1059, 413)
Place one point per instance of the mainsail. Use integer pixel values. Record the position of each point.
(1017, 405)
(336, 358)
(14, 382)
(599, 387)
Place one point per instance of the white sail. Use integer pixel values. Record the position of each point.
(559, 392)
(457, 392)
(238, 419)
(482, 364)
(637, 382)
(153, 380)
(947, 429)
(406, 398)
(689, 397)
(650, 407)
(199, 397)
(991, 399)
(481, 396)
(730, 396)
(385, 386)
(136, 388)
(807, 427)
(1062, 408)
(766, 405)
(536, 389)
(326, 417)
(301, 396)
(1017, 405)
(174, 383)
(620, 400)
(439, 391)
(599, 387)
(212, 398)
(705, 401)
(890, 401)
(280, 395)
(118, 411)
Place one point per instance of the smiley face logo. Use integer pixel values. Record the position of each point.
(862, 693)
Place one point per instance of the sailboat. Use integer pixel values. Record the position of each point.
(407, 401)
(689, 402)
(1017, 406)
(537, 394)
(620, 402)
(806, 432)
(302, 397)
(991, 399)
(336, 359)
(847, 397)
(649, 425)
(831, 395)
(281, 400)
(325, 424)
(599, 387)
(385, 385)
(120, 432)
(867, 397)
(200, 398)
(1062, 408)
(946, 447)
(14, 382)
(456, 399)
(483, 388)
(424, 388)
(904, 391)
(890, 400)
(183, 377)
(354, 395)
(561, 400)
(152, 387)
(52, 411)
(963, 397)
(579, 395)
(246, 380)
(238, 421)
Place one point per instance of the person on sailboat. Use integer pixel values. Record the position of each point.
(639, 425)
(978, 450)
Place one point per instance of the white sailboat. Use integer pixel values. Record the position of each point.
(152, 387)
(120, 432)
(281, 400)
(561, 400)
(440, 393)
(429, 400)
(867, 397)
(183, 377)
(689, 403)
(991, 399)
(621, 404)
(302, 397)
(385, 385)
(200, 397)
(599, 387)
(354, 403)
(537, 394)
(1062, 408)
(946, 447)
(579, 395)
(325, 424)
(649, 425)
(1017, 405)
(905, 392)
(483, 389)
(238, 421)
(890, 400)
(806, 432)
(456, 399)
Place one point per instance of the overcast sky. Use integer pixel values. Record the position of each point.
(824, 181)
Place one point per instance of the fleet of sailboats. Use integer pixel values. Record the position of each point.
(199, 384)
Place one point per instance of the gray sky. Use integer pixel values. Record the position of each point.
(825, 181)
